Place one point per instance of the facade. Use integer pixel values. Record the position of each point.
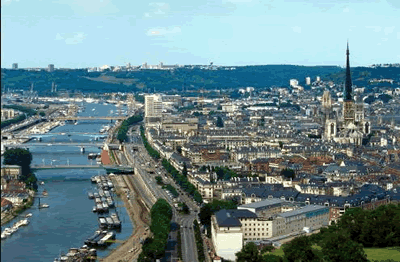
(308, 80)
(7, 113)
(293, 82)
(262, 221)
(11, 172)
(153, 108)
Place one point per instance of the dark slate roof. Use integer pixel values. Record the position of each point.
(230, 217)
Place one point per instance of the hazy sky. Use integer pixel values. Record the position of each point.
(88, 33)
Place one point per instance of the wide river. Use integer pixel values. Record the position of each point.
(69, 220)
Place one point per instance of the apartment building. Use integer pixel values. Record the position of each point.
(262, 221)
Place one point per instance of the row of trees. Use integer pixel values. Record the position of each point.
(199, 241)
(371, 228)
(123, 130)
(154, 247)
(21, 157)
(152, 152)
(182, 181)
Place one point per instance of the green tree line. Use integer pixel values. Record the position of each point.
(154, 247)
(123, 130)
(182, 181)
(152, 152)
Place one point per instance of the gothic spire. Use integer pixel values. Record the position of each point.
(348, 84)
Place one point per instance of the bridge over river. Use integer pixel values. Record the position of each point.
(76, 118)
(109, 168)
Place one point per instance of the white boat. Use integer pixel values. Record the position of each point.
(3, 235)
(93, 109)
(76, 123)
(49, 144)
(28, 215)
(42, 183)
(44, 206)
(63, 134)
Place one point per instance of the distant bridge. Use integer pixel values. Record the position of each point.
(76, 118)
(40, 167)
(68, 134)
(58, 144)
(110, 168)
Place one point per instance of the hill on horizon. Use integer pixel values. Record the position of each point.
(191, 79)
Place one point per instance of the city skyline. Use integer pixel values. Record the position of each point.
(75, 34)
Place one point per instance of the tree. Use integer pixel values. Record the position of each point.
(249, 253)
(271, 258)
(21, 157)
(299, 249)
(288, 173)
(220, 123)
(41, 113)
(184, 170)
(280, 144)
(267, 248)
(338, 246)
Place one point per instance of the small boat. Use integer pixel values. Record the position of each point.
(49, 144)
(90, 195)
(76, 123)
(44, 206)
(45, 193)
(94, 210)
(63, 134)
(42, 183)
(28, 215)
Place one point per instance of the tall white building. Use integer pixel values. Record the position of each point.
(15, 66)
(153, 106)
(318, 79)
(308, 80)
(51, 68)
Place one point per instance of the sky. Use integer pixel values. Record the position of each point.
(89, 33)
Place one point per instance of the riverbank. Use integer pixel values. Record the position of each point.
(10, 215)
(139, 215)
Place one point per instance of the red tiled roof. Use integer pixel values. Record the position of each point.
(5, 202)
(105, 158)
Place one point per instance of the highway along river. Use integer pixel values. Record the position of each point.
(69, 220)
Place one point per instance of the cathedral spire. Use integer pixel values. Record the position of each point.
(348, 84)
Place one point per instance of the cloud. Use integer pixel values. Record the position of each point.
(163, 31)
(296, 29)
(346, 10)
(71, 38)
(388, 30)
(375, 28)
(7, 2)
(157, 9)
(95, 7)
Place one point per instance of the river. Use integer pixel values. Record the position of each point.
(69, 220)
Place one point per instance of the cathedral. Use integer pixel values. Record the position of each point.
(349, 127)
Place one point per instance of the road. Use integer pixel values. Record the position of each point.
(136, 153)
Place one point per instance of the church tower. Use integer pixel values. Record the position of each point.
(348, 102)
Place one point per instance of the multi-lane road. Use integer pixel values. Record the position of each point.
(136, 155)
